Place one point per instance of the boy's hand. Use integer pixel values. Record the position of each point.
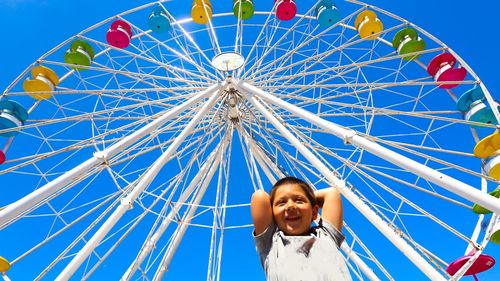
(330, 201)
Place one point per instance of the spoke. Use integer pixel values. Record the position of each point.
(301, 45)
(218, 219)
(81, 236)
(258, 63)
(339, 71)
(150, 243)
(65, 228)
(366, 270)
(255, 45)
(188, 37)
(179, 234)
(206, 74)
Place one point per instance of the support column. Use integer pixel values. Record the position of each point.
(259, 156)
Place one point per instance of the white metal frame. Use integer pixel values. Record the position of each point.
(251, 82)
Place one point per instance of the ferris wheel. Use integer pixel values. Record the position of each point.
(131, 150)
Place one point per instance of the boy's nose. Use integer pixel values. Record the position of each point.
(290, 205)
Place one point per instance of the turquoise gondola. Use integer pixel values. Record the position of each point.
(12, 116)
(327, 13)
(158, 20)
(472, 104)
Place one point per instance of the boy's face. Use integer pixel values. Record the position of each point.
(292, 211)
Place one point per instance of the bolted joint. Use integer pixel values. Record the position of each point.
(348, 136)
(151, 244)
(126, 202)
(340, 184)
(101, 155)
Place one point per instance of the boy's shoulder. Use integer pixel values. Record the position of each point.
(326, 229)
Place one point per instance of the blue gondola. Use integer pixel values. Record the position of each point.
(327, 13)
(472, 104)
(12, 116)
(158, 20)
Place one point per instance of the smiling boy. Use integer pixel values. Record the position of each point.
(289, 249)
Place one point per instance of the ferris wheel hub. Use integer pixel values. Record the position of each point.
(228, 61)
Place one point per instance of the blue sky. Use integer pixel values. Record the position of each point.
(30, 28)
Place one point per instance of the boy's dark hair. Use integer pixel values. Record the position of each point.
(293, 180)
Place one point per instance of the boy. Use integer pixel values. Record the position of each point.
(288, 247)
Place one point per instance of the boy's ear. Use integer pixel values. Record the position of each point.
(315, 211)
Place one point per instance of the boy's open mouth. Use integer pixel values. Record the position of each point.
(292, 217)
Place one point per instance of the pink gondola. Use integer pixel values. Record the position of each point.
(442, 68)
(2, 157)
(482, 263)
(285, 9)
(119, 34)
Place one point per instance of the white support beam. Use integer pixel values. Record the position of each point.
(183, 225)
(128, 200)
(31, 201)
(359, 204)
(260, 156)
(350, 136)
(150, 244)
(367, 271)
(216, 207)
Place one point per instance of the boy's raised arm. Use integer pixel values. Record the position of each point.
(331, 203)
(262, 213)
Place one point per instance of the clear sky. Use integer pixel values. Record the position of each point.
(30, 28)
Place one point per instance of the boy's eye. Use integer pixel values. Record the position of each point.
(300, 200)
